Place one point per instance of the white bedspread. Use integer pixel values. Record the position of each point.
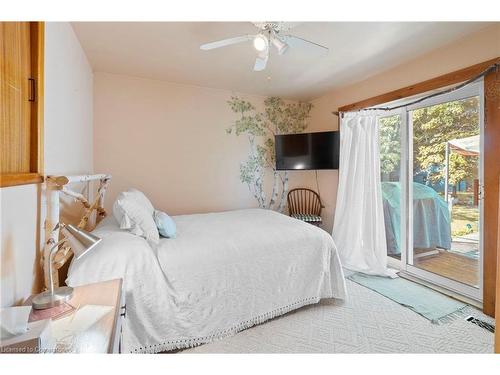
(223, 273)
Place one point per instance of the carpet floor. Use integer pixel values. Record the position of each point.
(366, 323)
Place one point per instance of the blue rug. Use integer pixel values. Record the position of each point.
(432, 305)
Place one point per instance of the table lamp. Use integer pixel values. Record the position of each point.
(81, 242)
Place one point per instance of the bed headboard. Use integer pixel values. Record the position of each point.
(55, 185)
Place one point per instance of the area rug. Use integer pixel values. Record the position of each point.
(432, 305)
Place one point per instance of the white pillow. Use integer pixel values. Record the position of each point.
(134, 212)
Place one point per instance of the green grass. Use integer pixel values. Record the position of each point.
(461, 216)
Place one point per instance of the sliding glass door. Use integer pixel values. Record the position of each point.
(431, 171)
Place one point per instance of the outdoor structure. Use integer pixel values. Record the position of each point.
(469, 146)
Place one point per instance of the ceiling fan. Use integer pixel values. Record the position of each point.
(269, 34)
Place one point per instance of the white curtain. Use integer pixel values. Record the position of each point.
(358, 230)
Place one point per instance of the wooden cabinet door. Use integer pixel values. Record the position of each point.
(15, 95)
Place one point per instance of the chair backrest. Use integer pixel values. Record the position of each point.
(304, 201)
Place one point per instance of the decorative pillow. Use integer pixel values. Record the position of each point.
(140, 198)
(134, 212)
(165, 224)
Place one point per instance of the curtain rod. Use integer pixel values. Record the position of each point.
(458, 87)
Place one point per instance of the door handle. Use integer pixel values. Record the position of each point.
(32, 94)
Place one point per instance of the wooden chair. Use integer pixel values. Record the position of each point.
(305, 204)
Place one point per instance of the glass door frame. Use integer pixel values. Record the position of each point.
(406, 173)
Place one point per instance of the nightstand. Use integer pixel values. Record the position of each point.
(104, 335)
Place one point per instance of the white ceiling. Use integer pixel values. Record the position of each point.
(170, 51)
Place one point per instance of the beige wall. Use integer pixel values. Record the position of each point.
(169, 140)
(67, 149)
(473, 49)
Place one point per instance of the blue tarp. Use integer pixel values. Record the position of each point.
(431, 218)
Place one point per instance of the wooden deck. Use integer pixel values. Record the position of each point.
(451, 265)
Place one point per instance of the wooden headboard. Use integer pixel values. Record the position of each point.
(55, 185)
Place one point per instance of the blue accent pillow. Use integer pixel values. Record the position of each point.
(165, 224)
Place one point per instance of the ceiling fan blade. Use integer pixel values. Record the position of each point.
(261, 61)
(226, 42)
(296, 41)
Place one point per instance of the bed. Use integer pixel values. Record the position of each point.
(224, 272)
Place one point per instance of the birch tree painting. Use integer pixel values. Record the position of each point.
(260, 128)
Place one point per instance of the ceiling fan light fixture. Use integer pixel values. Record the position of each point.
(269, 33)
(260, 42)
(280, 45)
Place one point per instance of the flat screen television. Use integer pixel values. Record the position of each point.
(307, 151)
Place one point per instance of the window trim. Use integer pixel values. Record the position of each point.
(421, 87)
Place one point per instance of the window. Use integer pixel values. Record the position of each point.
(21, 102)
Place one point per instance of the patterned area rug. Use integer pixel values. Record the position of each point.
(366, 323)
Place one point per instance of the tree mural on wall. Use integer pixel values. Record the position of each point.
(260, 128)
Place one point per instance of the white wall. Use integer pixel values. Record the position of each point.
(68, 103)
(67, 150)
(19, 207)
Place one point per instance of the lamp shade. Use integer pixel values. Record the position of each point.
(280, 45)
(80, 240)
